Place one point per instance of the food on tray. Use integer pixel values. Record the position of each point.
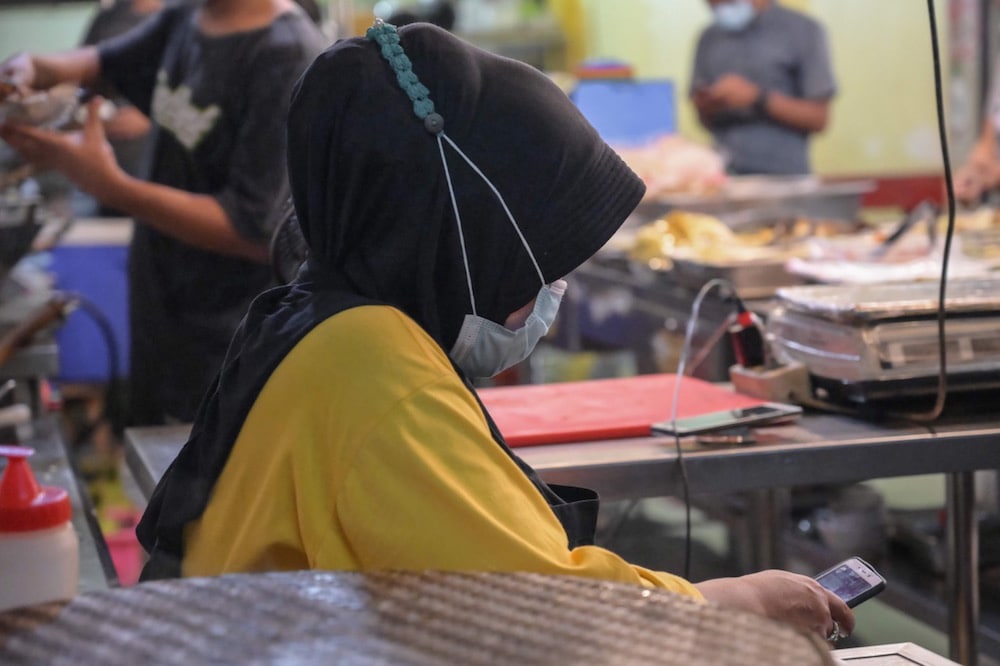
(672, 164)
(8, 90)
(678, 229)
(700, 237)
(978, 231)
(43, 108)
(980, 219)
(696, 236)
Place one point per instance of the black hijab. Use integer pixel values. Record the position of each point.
(374, 207)
(371, 195)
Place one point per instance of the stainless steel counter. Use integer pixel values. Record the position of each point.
(818, 449)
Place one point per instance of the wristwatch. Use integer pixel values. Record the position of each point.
(760, 104)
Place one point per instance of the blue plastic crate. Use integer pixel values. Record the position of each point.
(99, 274)
(628, 112)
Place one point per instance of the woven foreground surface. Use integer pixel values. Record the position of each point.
(395, 618)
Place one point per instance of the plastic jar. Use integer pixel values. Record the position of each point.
(39, 549)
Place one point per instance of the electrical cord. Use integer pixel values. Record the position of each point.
(710, 342)
(675, 401)
(111, 410)
(941, 393)
(942, 387)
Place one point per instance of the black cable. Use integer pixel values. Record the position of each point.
(682, 362)
(112, 393)
(942, 387)
(941, 314)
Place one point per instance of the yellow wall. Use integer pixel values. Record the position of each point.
(883, 118)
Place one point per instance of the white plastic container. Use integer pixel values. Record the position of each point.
(39, 549)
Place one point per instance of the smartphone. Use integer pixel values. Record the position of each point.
(769, 412)
(853, 580)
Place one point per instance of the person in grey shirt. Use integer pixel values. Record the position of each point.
(762, 84)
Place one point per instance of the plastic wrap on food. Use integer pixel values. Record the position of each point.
(673, 164)
(860, 302)
(43, 108)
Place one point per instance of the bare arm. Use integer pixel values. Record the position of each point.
(86, 158)
(195, 219)
(981, 170)
(807, 115)
(127, 123)
(733, 92)
(784, 596)
(82, 66)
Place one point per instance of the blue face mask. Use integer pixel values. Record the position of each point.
(734, 16)
(484, 348)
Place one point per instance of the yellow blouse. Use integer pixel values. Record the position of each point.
(365, 451)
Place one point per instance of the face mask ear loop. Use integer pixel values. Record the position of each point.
(458, 221)
(503, 203)
(385, 35)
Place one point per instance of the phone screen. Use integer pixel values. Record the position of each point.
(844, 582)
(729, 418)
(852, 580)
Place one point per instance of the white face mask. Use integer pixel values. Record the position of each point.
(734, 16)
(484, 348)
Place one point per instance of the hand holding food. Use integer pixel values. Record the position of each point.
(85, 156)
(17, 74)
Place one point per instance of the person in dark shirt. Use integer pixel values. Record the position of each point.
(762, 85)
(215, 77)
(128, 129)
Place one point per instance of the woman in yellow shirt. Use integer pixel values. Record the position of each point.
(343, 431)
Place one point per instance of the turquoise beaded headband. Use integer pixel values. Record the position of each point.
(387, 38)
(385, 35)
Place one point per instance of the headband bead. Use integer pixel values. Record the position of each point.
(385, 35)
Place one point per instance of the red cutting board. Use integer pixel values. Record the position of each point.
(600, 408)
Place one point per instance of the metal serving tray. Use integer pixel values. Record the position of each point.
(865, 303)
(750, 279)
(749, 200)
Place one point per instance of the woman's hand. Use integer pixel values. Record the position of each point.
(784, 596)
(85, 156)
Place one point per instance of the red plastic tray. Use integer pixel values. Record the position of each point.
(600, 408)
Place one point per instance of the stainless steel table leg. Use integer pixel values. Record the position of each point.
(963, 569)
(767, 516)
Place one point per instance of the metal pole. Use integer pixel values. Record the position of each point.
(963, 569)
(767, 517)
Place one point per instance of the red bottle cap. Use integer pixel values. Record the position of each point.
(24, 505)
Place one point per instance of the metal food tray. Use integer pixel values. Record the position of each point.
(872, 302)
(773, 197)
(750, 279)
